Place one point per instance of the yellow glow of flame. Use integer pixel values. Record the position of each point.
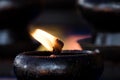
(46, 39)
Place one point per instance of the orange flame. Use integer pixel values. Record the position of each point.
(46, 39)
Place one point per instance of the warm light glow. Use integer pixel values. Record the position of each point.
(70, 42)
(46, 39)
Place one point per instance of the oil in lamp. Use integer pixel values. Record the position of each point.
(57, 64)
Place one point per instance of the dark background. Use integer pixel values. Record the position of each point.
(15, 38)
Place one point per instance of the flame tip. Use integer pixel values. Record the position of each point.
(44, 38)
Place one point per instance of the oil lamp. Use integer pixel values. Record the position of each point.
(104, 15)
(57, 64)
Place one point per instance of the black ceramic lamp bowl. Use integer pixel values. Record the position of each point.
(101, 13)
(69, 65)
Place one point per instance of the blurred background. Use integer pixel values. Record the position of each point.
(93, 24)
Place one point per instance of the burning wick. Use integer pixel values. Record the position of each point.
(57, 48)
(49, 41)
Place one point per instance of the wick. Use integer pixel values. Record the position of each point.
(57, 48)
